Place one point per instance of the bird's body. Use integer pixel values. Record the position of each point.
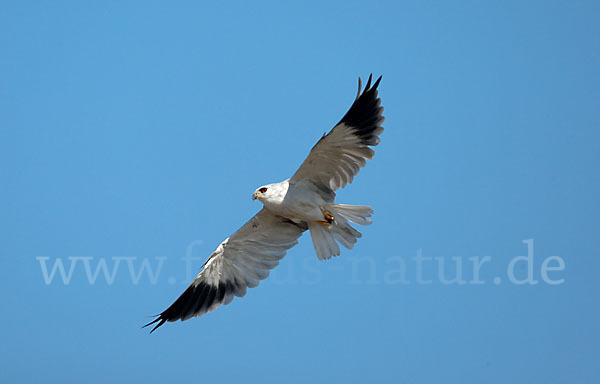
(296, 201)
(306, 201)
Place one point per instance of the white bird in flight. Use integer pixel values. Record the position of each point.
(304, 202)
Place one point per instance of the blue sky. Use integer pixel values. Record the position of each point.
(135, 132)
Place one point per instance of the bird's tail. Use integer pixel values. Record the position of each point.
(325, 237)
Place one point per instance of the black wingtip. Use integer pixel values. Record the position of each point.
(368, 87)
(369, 82)
(160, 320)
(195, 301)
(359, 87)
(377, 82)
(365, 114)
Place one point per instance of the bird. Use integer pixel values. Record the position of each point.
(304, 202)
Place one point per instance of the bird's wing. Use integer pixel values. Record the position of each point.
(240, 261)
(338, 156)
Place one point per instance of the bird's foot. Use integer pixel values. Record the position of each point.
(328, 216)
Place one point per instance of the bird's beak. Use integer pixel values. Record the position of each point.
(256, 195)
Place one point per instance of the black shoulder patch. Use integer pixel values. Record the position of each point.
(302, 225)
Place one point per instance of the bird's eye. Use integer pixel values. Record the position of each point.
(262, 190)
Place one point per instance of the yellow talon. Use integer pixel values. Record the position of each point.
(328, 216)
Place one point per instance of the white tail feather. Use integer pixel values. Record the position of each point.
(323, 241)
(355, 213)
(326, 238)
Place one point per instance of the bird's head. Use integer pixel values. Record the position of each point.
(260, 192)
(271, 193)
